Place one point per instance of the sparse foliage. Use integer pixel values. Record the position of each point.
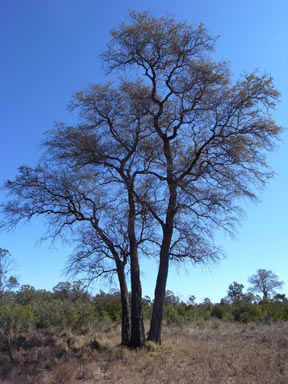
(210, 136)
(163, 158)
(75, 200)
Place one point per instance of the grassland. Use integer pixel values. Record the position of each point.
(206, 352)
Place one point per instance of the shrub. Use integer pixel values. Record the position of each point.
(172, 316)
(218, 311)
(247, 312)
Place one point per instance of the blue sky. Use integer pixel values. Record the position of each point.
(50, 49)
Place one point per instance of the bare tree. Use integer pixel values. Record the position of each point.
(265, 282)
(178, 149)
(100, 163)
(7, 282)
(114, 137)
(212, 134)
(73, 201)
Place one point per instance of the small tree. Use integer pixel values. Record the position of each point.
(73, 200)
(265, 282)
(6, 264)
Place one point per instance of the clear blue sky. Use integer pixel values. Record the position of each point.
(50, 48)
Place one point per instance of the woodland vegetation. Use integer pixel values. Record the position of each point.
(70, 307)
(70, 336)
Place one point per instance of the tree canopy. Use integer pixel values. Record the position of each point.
(265, 282)
(212, 134)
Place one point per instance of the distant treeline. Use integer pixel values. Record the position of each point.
(70, 307)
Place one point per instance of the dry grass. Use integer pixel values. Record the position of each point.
(213, 353)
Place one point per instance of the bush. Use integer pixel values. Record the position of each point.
(247, 312)
(172, 316)
(218, 311)
(16, 318)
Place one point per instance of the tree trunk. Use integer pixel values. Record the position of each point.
(159, 296)
(126, 330)
(137, 338)
(160, 289)
(120, 266)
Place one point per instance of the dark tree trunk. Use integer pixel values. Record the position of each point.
(160, 289)
(126, 330)
(120, 266)
(159, 295)
(137, 338)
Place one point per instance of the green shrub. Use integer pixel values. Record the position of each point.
(247, 312)
(218, 311)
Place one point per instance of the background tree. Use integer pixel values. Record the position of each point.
(235, 292)
(265, 282)
(6, 265)
(212, 135)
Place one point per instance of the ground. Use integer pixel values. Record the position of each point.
(206, 352)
